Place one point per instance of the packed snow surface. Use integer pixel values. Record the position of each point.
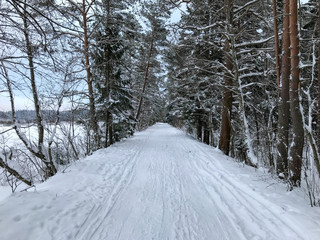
(160, 184)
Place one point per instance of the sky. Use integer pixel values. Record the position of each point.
(21, 102)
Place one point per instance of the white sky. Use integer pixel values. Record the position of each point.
(20, 103)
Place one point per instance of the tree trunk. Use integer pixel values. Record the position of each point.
(145, 81)
(199, 126)
(297, 122)
(108, 123)
(93, 118)
(32, 80)
(210, 129)
(110, 128)
(225, 131)
(284, 108)
(50, 167)
(206, 136)
(319, 76)
(276, 40)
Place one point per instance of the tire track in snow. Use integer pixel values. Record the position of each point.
(99, 213)
(170, 197)
(263, 206)
(160, 181)
(187, 222)
(178, 220)
(259, 211)
(212, 219)
(227, 209)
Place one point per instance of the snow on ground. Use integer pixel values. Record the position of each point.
(5, 192)
(160, 184)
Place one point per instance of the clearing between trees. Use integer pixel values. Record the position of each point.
(159, 184)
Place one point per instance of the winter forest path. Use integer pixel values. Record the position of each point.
(159, 184)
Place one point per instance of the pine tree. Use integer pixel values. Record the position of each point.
(297, 122)
(114, 39)
(283, 122)
(148, 98)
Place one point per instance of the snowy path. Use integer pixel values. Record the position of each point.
(161, 185)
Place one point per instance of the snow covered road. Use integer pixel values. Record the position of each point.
(159, 184)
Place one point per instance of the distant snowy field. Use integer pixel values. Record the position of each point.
(9, 140)
(159, 184)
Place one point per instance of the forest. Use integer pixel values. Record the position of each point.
(238, 75)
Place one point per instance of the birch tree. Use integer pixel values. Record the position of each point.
(75, 22)
(24, 23)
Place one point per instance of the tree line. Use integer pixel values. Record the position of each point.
(244, 76)
(239, 75)
(90, 56)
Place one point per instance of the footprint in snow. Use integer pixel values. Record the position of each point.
(17, 218)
